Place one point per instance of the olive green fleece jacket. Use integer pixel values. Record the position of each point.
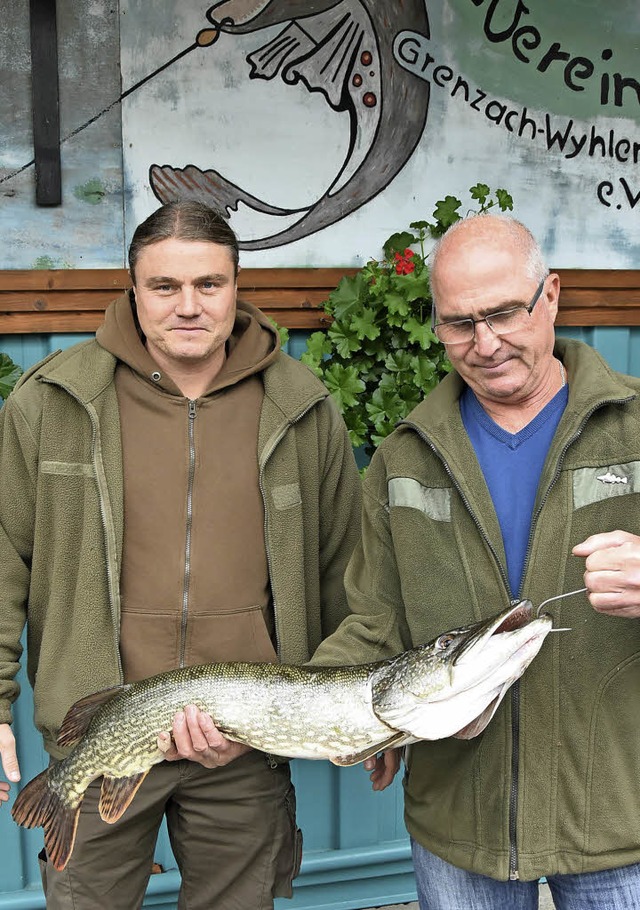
(61, 517)
(553, 783)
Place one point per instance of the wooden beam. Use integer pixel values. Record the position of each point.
(45, 101)
(74, 300)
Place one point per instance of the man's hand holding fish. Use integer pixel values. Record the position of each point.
(195, 736)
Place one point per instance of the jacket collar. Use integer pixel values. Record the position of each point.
(592, 383)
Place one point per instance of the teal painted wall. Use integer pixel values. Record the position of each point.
(356, 849)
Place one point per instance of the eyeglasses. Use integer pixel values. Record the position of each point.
(462, 331)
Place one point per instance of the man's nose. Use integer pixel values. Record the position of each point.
(188, 303)
(485, 340)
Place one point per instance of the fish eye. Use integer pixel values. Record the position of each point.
(444, 641)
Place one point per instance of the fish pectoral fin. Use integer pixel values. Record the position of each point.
(80, 714)
(292, 43)
(116, 795)
(480, 722)
(37, 805)
(356, 757)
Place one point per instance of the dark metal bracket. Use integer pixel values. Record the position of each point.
(45, 101)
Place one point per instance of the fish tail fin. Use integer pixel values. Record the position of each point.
(37, 805)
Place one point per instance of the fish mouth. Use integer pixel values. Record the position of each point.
(516, 617)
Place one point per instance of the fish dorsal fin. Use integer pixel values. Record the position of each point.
(80, 714)
(116, 795)
(480, 722)
(38, 805)
(356, 757)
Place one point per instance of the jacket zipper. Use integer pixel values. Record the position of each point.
(263, 463)
(189, 527)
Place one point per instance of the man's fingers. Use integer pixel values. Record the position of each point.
(8, 752)
(194, 729)
(383, 768)
(603, 541)
(194, 732)
(202, 730)
(181, 734)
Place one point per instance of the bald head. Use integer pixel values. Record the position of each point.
(490, 233)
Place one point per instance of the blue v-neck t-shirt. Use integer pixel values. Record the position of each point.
(512, 464)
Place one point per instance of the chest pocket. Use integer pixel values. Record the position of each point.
(68, 469)
(406, 492)
(592, 485)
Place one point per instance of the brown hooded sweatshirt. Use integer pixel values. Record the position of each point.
(194, 579)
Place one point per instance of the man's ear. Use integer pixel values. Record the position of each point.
(553, 294)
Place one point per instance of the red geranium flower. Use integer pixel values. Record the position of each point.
(404, 265)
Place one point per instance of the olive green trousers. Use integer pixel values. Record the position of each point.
(232, 831)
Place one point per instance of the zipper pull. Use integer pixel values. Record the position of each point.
(192, 409)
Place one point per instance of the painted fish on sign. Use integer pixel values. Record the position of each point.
(451, 686)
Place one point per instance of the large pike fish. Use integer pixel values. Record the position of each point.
(451, 686)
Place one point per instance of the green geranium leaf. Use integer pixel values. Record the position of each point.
(423, 227)
(282, 331)
(419, 333)
(425, 375)
(358, 428)
(505, 201)
(318, 347)
(480, 192)
(395, 320)
(383, 432)
(372, 350)
(398, 243)
(376, 289)
(347, 297)
(385, 406)
(398, 362)
(414, 286)
(345, 340)
(365, 326)
(312, 364)
(10, 372)
(446, 212)
(344, 384)
(388, 379)
(396, 303)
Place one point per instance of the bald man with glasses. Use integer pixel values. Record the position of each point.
(510, 481)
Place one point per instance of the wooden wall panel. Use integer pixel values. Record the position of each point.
(73, 300)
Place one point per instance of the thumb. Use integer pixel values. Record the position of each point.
(8, 753)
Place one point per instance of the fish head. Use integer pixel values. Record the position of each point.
(453, 685)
